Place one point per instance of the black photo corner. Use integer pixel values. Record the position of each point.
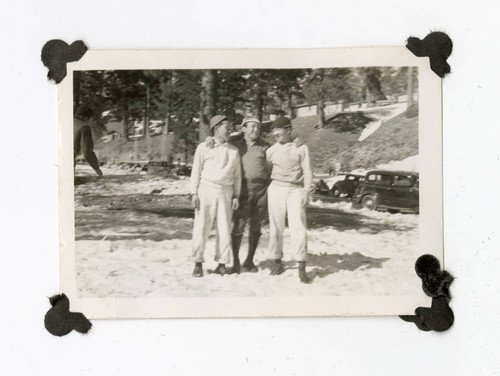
(435, 283)
(59, 321)
(437, 46)
(57, 53)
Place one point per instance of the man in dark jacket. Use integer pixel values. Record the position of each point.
(253, 197)
(82, 141)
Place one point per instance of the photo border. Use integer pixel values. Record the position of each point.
(430, 163)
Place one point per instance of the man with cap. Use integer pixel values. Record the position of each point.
(82, 137)
(215, 191)
(253, 197)
(288, 195)
(256, 177)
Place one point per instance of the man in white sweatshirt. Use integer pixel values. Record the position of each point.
(288, 193)
(215, 191)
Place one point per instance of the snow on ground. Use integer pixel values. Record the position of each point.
(407, 164)
(396, 110)
(140, 247)
(137, 183)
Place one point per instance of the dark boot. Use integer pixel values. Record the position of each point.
(198, 270)
(236, 242)
(302, 272)
(220, 269)
(253, 241)
(277, 268)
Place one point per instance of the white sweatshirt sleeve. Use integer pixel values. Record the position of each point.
(197, 168)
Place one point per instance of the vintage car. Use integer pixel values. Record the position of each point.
(320, 188)
(395, 191)
(347, 186)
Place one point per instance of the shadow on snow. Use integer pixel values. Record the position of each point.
(325, 264)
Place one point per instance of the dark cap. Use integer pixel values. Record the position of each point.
(216, 120)
(282, 122)
(83, 111)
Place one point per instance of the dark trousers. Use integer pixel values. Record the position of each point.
(253, 208)
(84, 143)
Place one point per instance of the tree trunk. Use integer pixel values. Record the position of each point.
(208, 102)
(321, 113)
(409, 88)
(368, 97)
(125, 116)
(185, 137)
(147, 135)
(259, 101)
(289, 105)
(165, 147)
(230, 112)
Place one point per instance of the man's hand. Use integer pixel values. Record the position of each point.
(209, 141)
(298, 142)
(195, 201)
(236, 203)
(305, 197)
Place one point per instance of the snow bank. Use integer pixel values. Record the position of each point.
(407, 164)
(396, 110)
(403, 219)
(369, 129)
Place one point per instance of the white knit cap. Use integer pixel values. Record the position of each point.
(250, 120)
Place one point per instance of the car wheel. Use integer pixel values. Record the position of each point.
(393, 211)
(336, 192)
(368, 202)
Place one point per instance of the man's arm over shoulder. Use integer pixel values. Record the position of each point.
(266, 145)
(236, 137)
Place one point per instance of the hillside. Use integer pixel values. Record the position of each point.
(395, 140)
(324, 144)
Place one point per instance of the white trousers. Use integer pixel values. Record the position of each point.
(283, 200)
(215, 204)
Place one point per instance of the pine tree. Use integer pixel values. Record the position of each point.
(328, 84)
(208, 104)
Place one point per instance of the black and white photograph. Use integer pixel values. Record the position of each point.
(268, 191)
(115, 118)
